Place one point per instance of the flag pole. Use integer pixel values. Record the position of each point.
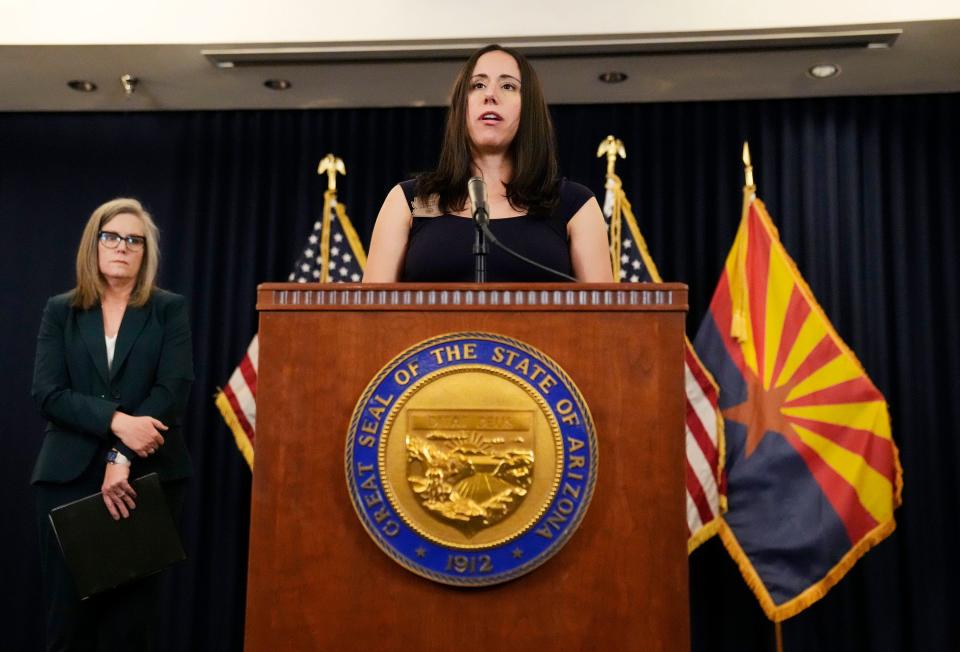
(749, 192)
(611, 148)
(331, 165)
(738, 324)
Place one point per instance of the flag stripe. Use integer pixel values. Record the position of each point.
(856, 390)
(705, 473)
(758, 268)
(253, 353)
(249, 374)
(695, 491)
(703, 458)
(695, 367)
(810, 335)
(857, 520)
(775, 317)
(693, 516)
(699, 434)
(823, 353)
(244, 398)
(797, 312)
(874, 492)
(839, 370)
(877, 451)
(238, 413)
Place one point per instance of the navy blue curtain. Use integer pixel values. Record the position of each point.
(862, 189)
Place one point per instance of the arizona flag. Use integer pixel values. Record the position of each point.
(813, 476)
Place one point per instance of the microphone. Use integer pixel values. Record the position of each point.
(477, 189)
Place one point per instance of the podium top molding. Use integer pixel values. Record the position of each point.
(585, 297)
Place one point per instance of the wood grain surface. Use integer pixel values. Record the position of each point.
(318, 582)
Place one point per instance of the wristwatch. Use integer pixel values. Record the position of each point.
(116, 457)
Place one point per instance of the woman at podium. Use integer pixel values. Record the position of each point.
(499, 129)
(113, 372)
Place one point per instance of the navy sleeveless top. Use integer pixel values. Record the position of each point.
(440, 247)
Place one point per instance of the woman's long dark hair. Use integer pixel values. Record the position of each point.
(533, 152)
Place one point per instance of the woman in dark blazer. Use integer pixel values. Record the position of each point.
(113, 372)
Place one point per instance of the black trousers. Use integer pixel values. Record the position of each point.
(123, 619)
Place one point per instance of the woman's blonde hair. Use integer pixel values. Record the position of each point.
(90, 282)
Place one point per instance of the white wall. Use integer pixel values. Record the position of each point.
(34, 22)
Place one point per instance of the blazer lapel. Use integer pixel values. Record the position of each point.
(91, 330)
(134, 319)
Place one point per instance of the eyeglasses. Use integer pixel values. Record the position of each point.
(111, 240)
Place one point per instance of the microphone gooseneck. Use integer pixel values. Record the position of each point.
(477, 190)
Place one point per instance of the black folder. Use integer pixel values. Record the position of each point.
(102, 553)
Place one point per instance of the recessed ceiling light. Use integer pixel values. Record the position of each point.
(612, 77)
(277, 84)
(82, 85)
(824, 70)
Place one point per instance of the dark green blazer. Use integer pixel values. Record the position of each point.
(151, 374)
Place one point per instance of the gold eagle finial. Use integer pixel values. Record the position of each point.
(611, 147)
(331, 164)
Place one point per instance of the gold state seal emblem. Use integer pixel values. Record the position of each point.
(471, 468)
(471, 458)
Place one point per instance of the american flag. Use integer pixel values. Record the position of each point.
(333, 254)
(704, 424)
(631, 268)
(340, 253)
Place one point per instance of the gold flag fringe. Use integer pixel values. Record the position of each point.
(239, 434)
(779, 613)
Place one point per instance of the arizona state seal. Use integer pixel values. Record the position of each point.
(471, 458)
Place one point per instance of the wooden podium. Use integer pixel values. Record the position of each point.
(317, 581)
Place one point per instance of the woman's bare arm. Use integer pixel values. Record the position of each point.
(389, 242)
(589, 248)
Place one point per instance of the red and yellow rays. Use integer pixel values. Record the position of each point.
(804, 383)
